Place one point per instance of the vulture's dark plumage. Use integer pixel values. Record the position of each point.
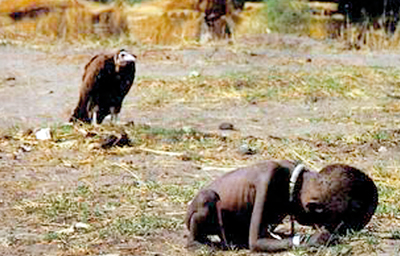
(105, 82)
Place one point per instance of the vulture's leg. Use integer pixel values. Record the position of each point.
(95, 112)
(114, 115)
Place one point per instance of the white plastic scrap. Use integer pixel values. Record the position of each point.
(43, 134)
(75, 227)
(81, 225)
(194, 73)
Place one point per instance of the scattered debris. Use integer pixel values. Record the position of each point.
(75, 227)
(188, 129)
(6, 137)
(185, 157)
(130, 124)
(115, 141)
(158, 152)
(246, 149)
(81, 225)
(81, 130)
(240, 84)
(43, 134)
(220, 169)
(27, 132)
(90, 134)
(382, 149)
(9, 81)
(194, 74)
(67, 231)
(226, 126)
(25, 148)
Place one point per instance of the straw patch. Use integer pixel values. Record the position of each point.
(155, 22)
(253, 20)
(69, 20)
(162, 27)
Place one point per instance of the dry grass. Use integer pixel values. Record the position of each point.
(253, 20)
(164, 27)
(133, 198)
(163, 22)
(9, 6)
(359, 36)
(348, 82)
(129, 210)
(175, 5)
(67, 20)
(368, 39)
(177, 22)
(174, 22)
(155, 22)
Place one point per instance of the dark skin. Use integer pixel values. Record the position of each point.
(247, 209)
(338, 198)
(253, 200)
(205, 208)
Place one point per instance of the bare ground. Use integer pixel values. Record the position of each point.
(39, 89)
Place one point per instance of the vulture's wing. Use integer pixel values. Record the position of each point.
(98, 68)
(87, 66)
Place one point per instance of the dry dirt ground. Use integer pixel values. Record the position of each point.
(287, 97)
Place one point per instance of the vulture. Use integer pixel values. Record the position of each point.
(106, 81)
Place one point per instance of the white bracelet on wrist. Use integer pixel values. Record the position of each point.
(296, 240)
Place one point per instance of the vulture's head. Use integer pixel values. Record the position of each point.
(123, 59)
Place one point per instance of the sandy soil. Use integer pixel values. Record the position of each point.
(40, 88)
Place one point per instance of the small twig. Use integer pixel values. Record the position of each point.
(34, 165)
(174, 213)
(159, 152)
(128, 170)
(393, 96)
(275, 137)
(378, 235)
(54, 225)
(223, 169)
(216, 168)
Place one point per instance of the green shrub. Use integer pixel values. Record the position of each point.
(288, 16)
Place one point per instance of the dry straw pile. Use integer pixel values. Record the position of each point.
(169, 22)
(155, 22)
(164, 22)
(65, 19)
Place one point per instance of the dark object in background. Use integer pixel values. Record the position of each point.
(219, 17)
(379, 13)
